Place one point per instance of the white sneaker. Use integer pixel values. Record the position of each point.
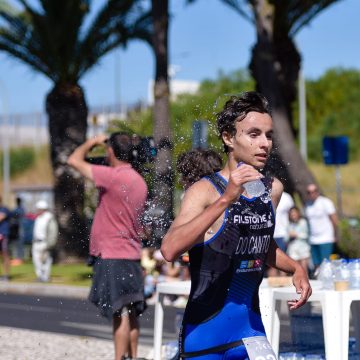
(167, 301)
(180, 302)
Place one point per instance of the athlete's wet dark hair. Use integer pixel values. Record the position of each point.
(121, 143)
(236, 109)
(195, 164)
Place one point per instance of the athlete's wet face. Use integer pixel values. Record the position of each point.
(253, 139)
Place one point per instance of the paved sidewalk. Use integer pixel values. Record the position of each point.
(20, 344)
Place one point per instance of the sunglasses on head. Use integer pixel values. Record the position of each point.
(312, 191)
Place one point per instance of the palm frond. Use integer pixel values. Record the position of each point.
(116, 23)
(301, 13)
(59, 42)
(8, 45)
(292, 15)
(242, 7)
(142, 28)
(17, 36)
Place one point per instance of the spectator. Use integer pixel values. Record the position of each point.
(158, 270)
(282, 220)
(321, 214)
(17, 223)
(115, 242)
(45, 235)
(195, 164)
(28, 227)
(298, 238)
(4, 238)
(148, 264)
(281, 224)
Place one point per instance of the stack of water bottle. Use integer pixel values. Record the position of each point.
(297, 356)
(340, 274)
(171, 349)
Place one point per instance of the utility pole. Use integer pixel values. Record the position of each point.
(5, 145)
(117, 71)
(302, 116)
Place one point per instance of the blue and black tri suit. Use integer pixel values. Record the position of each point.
(226, 272)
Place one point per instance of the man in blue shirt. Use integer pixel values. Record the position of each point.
(17, 231)
(4, 234)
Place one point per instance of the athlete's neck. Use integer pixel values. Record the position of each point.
(225, 172)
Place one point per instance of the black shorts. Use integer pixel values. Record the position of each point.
(117, 283)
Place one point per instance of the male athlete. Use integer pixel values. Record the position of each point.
(229, 237)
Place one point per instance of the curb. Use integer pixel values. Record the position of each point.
(55, 290)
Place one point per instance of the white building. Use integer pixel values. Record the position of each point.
(177, 87)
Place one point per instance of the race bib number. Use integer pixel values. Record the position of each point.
(259, 348)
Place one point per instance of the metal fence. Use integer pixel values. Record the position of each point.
(31, 128)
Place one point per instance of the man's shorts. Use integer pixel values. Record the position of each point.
(117, 283)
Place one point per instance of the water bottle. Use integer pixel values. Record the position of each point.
(291, 356)
(178, 321)
(354, 268)
(352, 343)
(171, 350)
(254, 188)
(326, 275)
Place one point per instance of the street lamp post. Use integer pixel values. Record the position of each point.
(5, 146)
(302, 116)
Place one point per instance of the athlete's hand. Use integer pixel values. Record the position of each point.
(241, 175)
(303, 287)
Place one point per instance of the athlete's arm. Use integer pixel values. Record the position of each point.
(200, 208)
(278, 259)
(196, 215)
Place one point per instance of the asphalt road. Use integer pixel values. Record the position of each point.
(73, 317)
(69, 316)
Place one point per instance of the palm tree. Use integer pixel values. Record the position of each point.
(164, 182)
(153, 29)
(275, 66)
(52, 38)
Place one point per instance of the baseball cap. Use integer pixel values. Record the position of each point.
(42, 205)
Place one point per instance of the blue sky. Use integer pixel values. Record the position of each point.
(205, 37)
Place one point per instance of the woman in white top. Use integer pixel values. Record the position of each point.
(298, 237)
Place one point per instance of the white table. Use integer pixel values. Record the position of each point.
(336, 316)
(162, 289)
(183, 288)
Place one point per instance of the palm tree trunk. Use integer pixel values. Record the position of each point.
(67, 111)
(275, 67)
(164, 178)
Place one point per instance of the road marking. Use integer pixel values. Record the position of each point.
(107, 329)
(29, 308)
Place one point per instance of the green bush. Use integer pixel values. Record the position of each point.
(349, 244)
(21, 159)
